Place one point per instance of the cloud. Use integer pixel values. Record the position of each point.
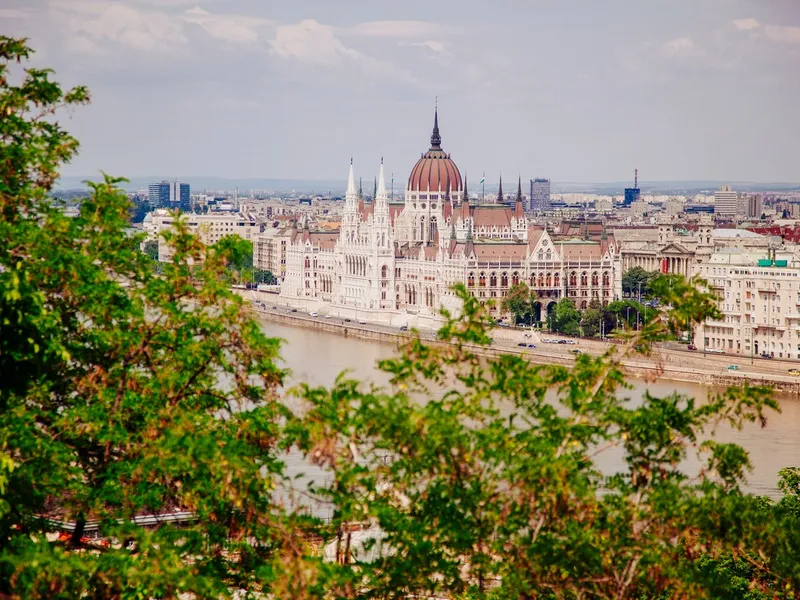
(99, 22)
(399, 29)
(14, 13)
(746, 24)
(314, 43)
(777, 33)
(237, 29)
(781, 33)
(680, 48)
(435, 48)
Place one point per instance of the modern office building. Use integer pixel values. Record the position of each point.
(633, 194)
(726, 202)
(172, 195)
(540, 194)
(158, 194)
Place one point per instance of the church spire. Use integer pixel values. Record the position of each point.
(351, 183)
(519, 210)
(465, 191)
(436, 139)
(500, 191)
(380, 190)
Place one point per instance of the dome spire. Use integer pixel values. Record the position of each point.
(436, 139)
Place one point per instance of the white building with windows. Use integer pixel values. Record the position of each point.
(759, 297)
(210, 227)
(396, 262)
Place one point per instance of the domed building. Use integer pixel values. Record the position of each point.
(434, 185)
(396, 263)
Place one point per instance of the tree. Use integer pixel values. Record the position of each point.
(636, 279)
(471, 500)
(128, 392)
(593, 319)
(125, 392)
(519, 302)
(566, 318)
(627, 312)
(150, 248)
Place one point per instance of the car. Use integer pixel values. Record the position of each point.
(531, 345)
(403, 327)
(576, 351)
(561, 342)
(348, 320)
(294, 310)
(313, 314)
(522, 345)
(274, 308)
(795, 372)
(503, 325)
(733, 368)
(362, 322)
(691, 347)
(766, 355)
(326, 316)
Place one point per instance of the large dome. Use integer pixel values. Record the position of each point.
(435, 170)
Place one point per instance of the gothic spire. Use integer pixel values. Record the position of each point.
(519, 189)
(381, 189)
(465, 191)
(351, 182)
(519, 211)
(436, 139)
(500, 191)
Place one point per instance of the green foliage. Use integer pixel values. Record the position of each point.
(519, 302)
(636, 280)
(566, 318)
(129, 391)
(150, 249)
(124, 392)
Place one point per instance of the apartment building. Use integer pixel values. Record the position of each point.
(210, 227)
(759, 297)
(269, 249)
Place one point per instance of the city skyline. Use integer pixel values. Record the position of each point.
(681, 90)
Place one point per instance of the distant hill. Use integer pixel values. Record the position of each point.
(337, 186)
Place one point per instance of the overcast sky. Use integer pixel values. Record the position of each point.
(575, 90)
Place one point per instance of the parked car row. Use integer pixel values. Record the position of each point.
(554, 341)
(524, 345)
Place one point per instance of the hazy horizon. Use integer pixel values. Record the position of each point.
(576, 91)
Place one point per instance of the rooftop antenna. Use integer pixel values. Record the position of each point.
(636, 178)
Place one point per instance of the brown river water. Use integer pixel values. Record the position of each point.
(316, 358)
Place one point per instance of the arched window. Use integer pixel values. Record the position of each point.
(584, 278)
(541, 254)
(493, 280)
(515, 278)
(482, 280)
(549, 255)
(548, 280)
(595, 279)
(583, 304)
(556, 280)
(532, 280)
(422, 228)
(308, 263)
(384, 271)
(541, 280)
(573, 278)
(471, 279)
(606, 279)
(504, 280)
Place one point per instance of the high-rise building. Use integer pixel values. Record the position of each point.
(633, 194)
(755, 205)
(172, 195)
(726, 201)
(540, 194)
(159, 194)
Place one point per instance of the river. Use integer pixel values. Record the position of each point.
(316, 358)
